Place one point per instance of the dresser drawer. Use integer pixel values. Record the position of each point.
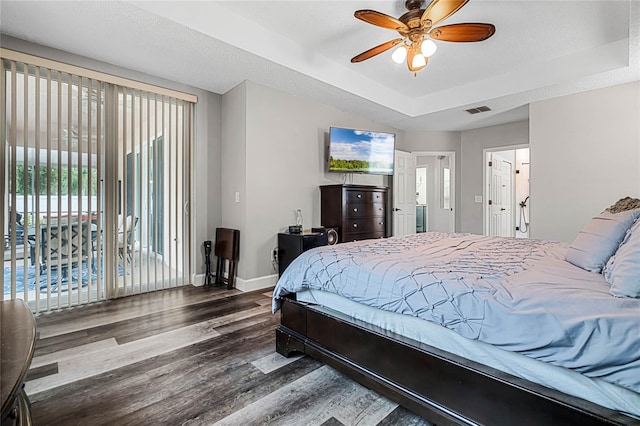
(365, 210)
(359, 212)
(357, 196)
(374, 224)
(353, 236)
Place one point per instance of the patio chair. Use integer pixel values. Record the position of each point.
(65, 241)
(126, 238)
(19, 229)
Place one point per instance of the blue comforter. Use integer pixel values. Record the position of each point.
(517, 294)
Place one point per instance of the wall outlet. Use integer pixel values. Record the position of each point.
(274, 255)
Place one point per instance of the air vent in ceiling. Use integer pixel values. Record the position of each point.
(476, 110)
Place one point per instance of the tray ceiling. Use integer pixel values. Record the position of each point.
(541, 49)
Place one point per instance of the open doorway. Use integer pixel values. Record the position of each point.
(435, 192)
(506, 183)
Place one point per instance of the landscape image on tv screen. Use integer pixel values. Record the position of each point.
(359, 151)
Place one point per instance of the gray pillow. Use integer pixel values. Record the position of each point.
(599, 239)
(623, 269)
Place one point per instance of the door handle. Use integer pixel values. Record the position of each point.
(502, 209)
(395, 209)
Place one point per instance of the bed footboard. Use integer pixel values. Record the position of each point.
(441, 387)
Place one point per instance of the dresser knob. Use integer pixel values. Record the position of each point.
(355, 209)
(380, 209)
(380, 223)
(359, 195)
(355, 225)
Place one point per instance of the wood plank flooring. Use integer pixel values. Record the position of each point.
(188, 356)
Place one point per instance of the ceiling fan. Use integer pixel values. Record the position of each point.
(416, 28)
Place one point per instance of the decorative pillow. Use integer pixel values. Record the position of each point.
(599, 239)
(623, 269)
(624, 204)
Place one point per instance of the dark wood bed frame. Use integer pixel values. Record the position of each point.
(443, 388)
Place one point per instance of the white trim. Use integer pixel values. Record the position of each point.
(258, 283)
(243, 285)
(197, 280)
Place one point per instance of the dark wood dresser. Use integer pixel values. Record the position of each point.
(18, 330)
(358, 212)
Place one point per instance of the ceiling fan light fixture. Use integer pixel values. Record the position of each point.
(428, 48)
(418, 61)
(416, 29)
(399, 55)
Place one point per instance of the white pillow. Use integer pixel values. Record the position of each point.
(623, 269)
(599, 239)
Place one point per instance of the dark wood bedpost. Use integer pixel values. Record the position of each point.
(293, 320)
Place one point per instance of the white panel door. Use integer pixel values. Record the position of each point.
(404, 194)
(500, 189)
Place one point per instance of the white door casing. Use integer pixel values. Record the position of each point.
(404, 194)
(500, 181)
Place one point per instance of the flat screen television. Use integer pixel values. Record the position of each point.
(361, 151)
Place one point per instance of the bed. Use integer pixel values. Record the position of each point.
(469, 329)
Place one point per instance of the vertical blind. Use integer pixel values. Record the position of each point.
(95, 184)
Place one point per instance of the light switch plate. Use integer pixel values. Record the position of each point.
(478, 198)
(237, 197)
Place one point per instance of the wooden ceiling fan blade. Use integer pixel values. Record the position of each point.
(380, 20)
(463, 33)
(440, 10)
(376, 50)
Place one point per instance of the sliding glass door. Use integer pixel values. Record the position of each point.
(151, 153)
(94, 185)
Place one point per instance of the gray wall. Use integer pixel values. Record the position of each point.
(472, 163)
(430, 141)
(585, 155)
(234, 168)
(284, 164)
(206, 159)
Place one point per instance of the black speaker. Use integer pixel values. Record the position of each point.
(332, 234)
(291, 246)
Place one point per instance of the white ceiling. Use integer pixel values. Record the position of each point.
(541, 49)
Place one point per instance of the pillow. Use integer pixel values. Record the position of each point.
(624, 204)
(623, 269)
(599, 239)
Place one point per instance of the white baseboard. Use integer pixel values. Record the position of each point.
(197, 280)
(256, 283)
(242, 284)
